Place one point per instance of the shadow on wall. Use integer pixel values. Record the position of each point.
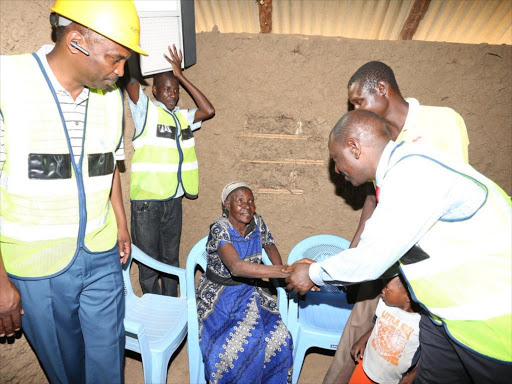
(353, 196)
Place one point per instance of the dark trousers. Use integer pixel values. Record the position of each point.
(444, 361)
(156, 230)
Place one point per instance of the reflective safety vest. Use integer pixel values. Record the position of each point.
(466, 281)
(50, 206)
(164, 157)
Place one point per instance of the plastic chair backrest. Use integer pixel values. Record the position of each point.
(197, 257)
(318, 318)
(155, 325)
(320, 310)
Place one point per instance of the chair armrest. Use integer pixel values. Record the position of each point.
(133, 327)
(282, 304)
(139, 331)
(140, 256)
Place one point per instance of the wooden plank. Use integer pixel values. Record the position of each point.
(281, 191)
(418, 11)
(265, 8)
(274, 136)
(287, 161)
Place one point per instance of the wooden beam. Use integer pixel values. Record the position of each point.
(274, 136)
(265, 7)
(281, 191)
(287, 161)
(418, 11)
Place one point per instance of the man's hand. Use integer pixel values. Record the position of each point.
(10, 309)
(291, 268)
(125, 244)
(175, 60)
(299, 281)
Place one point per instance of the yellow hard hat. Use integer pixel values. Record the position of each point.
(116, 19)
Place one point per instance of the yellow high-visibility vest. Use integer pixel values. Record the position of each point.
(50, 206)
(466, 282)
(164, 156)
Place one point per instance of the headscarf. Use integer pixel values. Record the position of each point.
(226, 191)
(230, 187)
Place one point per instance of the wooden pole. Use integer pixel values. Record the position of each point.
(265, 7)
(418, 11)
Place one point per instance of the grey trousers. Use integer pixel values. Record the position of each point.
(359, 322)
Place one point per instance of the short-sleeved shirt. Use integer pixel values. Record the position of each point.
(393, 344)
(440, 127)
(139, 111)
(74, 111)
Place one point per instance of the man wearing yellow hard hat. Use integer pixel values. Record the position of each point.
(63, 232)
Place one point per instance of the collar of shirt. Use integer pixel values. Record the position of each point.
(383, 165)
(59, 89)
(412, 116)
(159, 104)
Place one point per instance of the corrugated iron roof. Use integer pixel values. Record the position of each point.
(460, 21)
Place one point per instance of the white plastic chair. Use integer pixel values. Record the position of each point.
(155, 325)
(318, 318)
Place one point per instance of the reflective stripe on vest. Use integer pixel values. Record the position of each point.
(466, 282)
(163, 158)
(50, 206)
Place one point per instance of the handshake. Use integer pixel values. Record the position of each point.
(298, 279)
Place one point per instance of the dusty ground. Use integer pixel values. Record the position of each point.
(277, 84)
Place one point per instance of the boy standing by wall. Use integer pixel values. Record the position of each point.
(164, 168)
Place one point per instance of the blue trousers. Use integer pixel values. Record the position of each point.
(74, 321)
(156, 230)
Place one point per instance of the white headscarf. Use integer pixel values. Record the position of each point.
(230, 187)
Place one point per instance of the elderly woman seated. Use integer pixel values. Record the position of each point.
(241, 334)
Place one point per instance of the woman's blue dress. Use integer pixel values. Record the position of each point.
(241, 334)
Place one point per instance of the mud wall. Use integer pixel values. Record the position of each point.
(287, 84)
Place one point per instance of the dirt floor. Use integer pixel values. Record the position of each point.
(288, 84)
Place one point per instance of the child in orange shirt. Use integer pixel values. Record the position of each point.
(388, 353)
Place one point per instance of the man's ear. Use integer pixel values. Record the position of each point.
(382, 88)
(78, 38)
(355, 147)
(153, 89)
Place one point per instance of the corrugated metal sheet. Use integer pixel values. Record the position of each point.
(461, 21)
(467, 22)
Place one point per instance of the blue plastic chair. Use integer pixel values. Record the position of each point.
(196, 259)
(282, 297)
(155, 325)
(318, 318)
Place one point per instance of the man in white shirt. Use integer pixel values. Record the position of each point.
(373, 87)
(462, 222)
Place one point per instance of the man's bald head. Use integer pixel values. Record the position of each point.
(356, 143)
(366, 126)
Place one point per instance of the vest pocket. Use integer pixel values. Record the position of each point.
(101, 164)
(46, 166)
